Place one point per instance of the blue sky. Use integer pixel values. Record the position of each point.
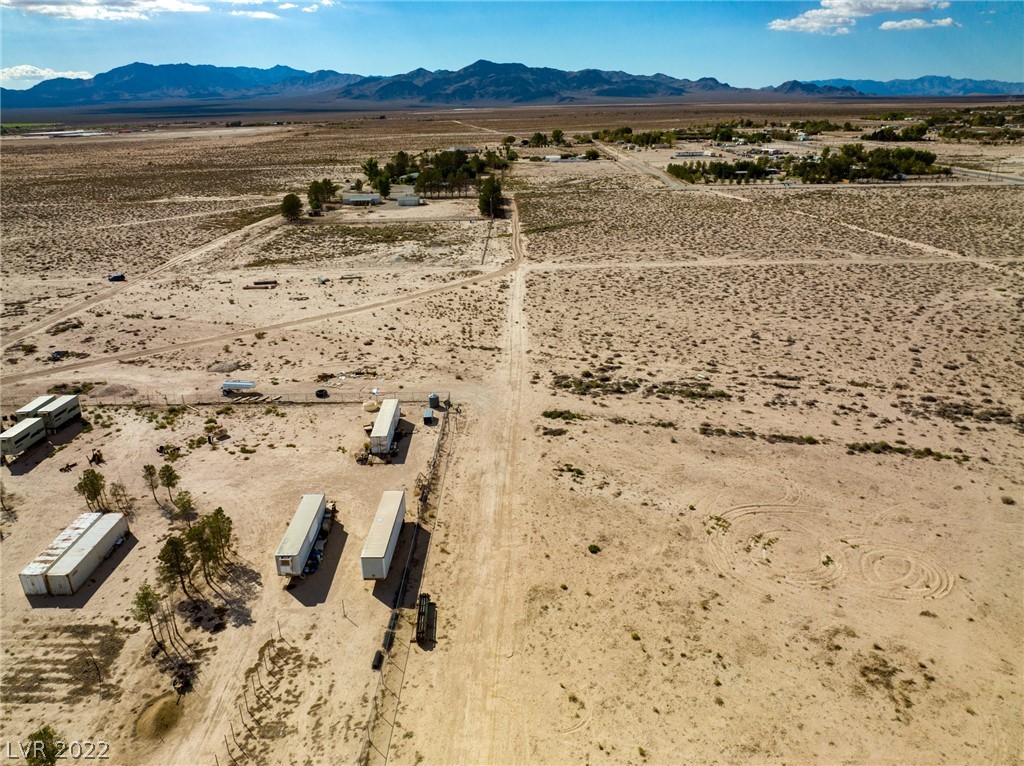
(745, 43)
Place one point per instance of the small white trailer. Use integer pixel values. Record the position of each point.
(298, 539)
(21, 436)
(382, 539)
(33, 577)
(31, 409)
(383, 434)
(60, 412)
(231, 386)
(71, 571)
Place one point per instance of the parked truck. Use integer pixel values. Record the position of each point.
(31, 410)
(72, 570)
(300, 536)
(383, 536)
(61, 411)
(382, 437)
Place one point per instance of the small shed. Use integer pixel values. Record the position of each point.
(428, 416)
(408, 200)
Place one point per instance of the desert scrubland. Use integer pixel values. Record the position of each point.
(731, 473)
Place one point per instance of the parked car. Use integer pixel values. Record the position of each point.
(321, 393)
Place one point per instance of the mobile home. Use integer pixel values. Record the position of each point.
(60, 412)
(20, 437)
(383, 434)
(298, 539)
(33, 577)
(31, 409)
(383, 537)
(72, 570)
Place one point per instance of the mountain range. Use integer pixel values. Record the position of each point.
(484, 83)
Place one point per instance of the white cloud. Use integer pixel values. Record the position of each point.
(104, 10)
(889, 26)
(29, 73)
(286, 6)
(311, 8)
(839, 17)
(256, 14)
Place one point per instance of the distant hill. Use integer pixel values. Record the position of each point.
(146, 82)
(929, 86)
(480, 83)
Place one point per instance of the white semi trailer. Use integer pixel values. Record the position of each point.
(383, 434)
(71, 571)
(298, 539)
(60, 412)
(229, 387)
(21, 436)
(379, 548)
(31, 409)
(33, 577)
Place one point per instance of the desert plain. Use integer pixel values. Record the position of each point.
(659, 526)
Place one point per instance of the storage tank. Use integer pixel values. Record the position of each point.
(76, 566)
(382, 539)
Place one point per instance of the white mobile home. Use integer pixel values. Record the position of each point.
(383, 434)
(383, 537)
(20, 437)
(60, 412)
(71, 571)
(31, 409)
(33, 577)
(298, 539)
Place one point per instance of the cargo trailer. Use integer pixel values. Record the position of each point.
(383, 537)
(298, 539)
(72, 570)
(20, 437)
(229, 386)
(31, 409)
(60, 412)
(383, 434)
(33, 577)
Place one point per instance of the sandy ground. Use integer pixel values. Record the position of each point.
(648, 540)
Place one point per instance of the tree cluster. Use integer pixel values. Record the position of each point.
(852, 163)
(704, 172)
(490, 202)
(909, 133)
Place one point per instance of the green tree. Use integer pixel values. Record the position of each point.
(383, 184)
(150, 475)
(220, 525)
(145, 605)
(557, 137)
(42, 748)
(186, 507)
(592, 154)
(371, 168)
(175, 564)
(490, 197)
(91, 487)
(169, 479)
(119, 494)
(203, 547)
(539, 139)
(358, 185)
(291, 207)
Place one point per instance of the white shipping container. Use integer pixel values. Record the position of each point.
(60, 412)
(383, 434)
(33, 577)
(33, 407)
(20, 437)
(382, 539)
(298, 539)
(76, 566)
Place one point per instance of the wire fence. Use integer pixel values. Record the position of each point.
(200, 398)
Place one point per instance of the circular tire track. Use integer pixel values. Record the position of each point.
(897, 572)
(784, 543)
